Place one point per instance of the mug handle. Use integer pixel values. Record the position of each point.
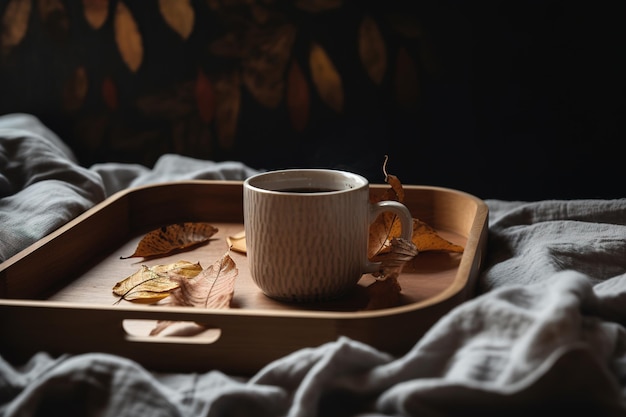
(406, 220)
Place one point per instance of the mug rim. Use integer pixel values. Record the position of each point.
(257, 181)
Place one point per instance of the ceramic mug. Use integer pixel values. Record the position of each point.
(307, 231)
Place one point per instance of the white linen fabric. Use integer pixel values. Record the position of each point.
(545, 334)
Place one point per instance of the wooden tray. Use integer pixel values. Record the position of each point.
(56, 296)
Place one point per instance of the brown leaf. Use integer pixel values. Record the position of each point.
(205, 97)
(387, 226)
(14, 23)
(212, 288)
(265, 59)
(297, 97)
(149, 285)
(179, 15)
(393, 260)
(372, 50)
(109, 93)
(326, 78)
(127, 37)
(96, 12)
(173, 238)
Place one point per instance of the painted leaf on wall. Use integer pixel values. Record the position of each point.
(75, 89)
(265, 59)
(54, 17)
(179, 15)
(298, 104)
(14, 23)
(372, 50)
(228, 102)
(205, 97)
(326, 78)
(109, 93)
(96, 12)
(127, 37)
(406, 80)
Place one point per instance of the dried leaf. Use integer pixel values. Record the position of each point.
(387, 226)
(75, 89)
(109, 93)
(149, 285)
(212, 288)
(297, 97)
(237, 242)
(406, 81)
(127, 37)
(372, 50)
(227, 108)
(384, 293)
(173, 238)
(54, 17)
(392, 261)
(14, 23)
(264, 63)
(179, 15)
(96, 12)
(426, 239)
(205, 97)
(326, 78)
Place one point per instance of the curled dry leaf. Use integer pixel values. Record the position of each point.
(151, 284)
(237, 242)
(179, 15)
(212, 288)
(173, 238)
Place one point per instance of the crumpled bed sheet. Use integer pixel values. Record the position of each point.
(545, 334)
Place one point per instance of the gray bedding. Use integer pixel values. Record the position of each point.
(545, 332)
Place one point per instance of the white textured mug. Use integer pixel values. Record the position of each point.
(307, 231)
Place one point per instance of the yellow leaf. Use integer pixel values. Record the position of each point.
(372, 50)
(326, 78)
(179, 15)
(173, 238)
(15, 23)
(149, 285)
(237, 242)
(96, 12)
(127, 37)
(428, 239)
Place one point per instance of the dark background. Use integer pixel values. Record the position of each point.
(515, 100)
